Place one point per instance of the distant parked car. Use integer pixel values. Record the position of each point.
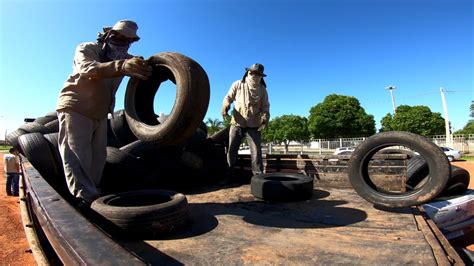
(247, 150)
(344, 150)
(452, 154)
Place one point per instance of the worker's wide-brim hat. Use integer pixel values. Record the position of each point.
(127, 28)
(256, 68)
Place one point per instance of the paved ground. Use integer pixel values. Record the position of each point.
(14, 248)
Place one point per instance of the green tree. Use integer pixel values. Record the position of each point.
(340, 116)
(469, 127)
(386, 123)
(472, 109)
(416, 119)
(287, 128)
(213, 125)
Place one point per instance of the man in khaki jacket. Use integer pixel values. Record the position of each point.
(12, 166)
(88, 95)
(249, 117)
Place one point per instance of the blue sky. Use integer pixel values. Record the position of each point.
(310, 49)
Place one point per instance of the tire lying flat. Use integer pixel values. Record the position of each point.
(438, 165)
(282, 186)
(144, 213)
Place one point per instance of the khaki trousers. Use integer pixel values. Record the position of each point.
(236, 134)
(82, 144)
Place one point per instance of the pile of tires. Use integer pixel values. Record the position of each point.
(418, 173)
(38, 142)
(144, 150)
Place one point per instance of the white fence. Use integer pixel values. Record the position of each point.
(463, 143)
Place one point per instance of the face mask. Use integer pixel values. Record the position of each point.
(254, 77)
(116, 52)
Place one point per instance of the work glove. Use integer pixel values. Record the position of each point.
(137, 67)
(263, 122)
(225, 109)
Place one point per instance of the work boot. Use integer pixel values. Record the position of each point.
(82, 205)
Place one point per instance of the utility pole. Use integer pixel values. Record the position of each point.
(446, 118)
(391, 88)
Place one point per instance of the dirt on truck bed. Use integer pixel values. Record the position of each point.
(230, 226)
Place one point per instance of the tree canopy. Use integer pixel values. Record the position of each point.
(213, 125)
(416, 119)
(340, 116)
(287, 128)
(469, 127)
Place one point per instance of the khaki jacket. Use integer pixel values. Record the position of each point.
(11, 163)
(90, 89)
(248, 108)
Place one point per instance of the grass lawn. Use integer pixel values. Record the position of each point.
(4, 148)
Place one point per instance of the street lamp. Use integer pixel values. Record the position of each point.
(391, 88)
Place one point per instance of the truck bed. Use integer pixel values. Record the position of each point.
(228, 225)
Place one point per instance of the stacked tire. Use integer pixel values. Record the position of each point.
(141, 147)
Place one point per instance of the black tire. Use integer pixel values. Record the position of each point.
(60, 181)
(52, 126)
(112, 140)
(438, 164)
(417, 170)
(43, 120)
(38, 152)
(203, 127)
(120, 128)
(53, 142)
(145, 213)
(282, 186)
(139, 148)
(458, 182)
(195, 142)
(33, 127)
(192, 100)
(122, 171)
(12, 138)
(221, 136)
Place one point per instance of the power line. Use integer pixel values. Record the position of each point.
(431, 92)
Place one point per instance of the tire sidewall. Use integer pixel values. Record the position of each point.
(192, 99)
(436, 160)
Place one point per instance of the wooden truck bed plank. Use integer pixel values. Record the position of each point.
(230, 226)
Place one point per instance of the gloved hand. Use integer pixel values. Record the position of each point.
(137, 67)
(263, 122)
(225, 109)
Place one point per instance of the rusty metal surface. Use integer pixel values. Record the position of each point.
(449, 253)
(230, 226)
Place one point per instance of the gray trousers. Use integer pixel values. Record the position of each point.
(236, 134)
(82, 144)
